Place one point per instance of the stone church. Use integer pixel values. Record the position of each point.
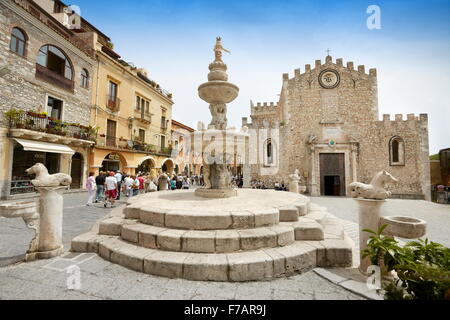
(326, 125)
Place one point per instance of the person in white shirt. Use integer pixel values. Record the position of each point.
(135, 186)
(118, 176)
(110, 189)
(128, 183)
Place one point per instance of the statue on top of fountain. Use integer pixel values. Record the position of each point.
(218, 48)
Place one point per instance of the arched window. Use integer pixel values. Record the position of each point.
(269, 152)
(396, 151)
(84, 78)
(18, 41)
(55, 60)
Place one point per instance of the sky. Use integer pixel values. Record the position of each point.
(173, 41)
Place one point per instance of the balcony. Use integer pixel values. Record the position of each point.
(39, 122)
(111, 142)
(113, 103)
(42, 73)
(145, 117)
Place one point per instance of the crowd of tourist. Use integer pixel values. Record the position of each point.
(109, 186)
(259, 184)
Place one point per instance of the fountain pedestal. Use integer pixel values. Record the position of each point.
(216, 158)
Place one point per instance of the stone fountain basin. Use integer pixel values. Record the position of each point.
(17, 209)
(404, 227)
(218, 92)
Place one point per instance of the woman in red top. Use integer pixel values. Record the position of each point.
(141, 184)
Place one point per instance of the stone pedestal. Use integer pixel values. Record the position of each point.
(50, 242)
(216, 193)
(369, 218)
(293, 187)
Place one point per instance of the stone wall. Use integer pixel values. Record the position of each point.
(19, 88)
(312, 120)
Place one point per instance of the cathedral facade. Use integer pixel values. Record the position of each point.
(326, 125)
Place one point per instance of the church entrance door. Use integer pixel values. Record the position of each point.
(332, 174)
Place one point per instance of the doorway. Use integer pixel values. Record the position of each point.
(76, 171)
(332, 174)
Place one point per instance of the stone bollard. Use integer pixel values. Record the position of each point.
(370, 198)
(51, 217)
(368, 218)
(50, 188)
(294, 180)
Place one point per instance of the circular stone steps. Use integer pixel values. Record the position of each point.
(217, 241)
(260, 234)
(243, 266)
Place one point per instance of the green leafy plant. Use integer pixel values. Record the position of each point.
(13, 114)
(422, 267)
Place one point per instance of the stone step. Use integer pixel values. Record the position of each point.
(216, 241)
(242, 266)
(190, 219)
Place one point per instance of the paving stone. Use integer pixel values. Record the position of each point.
(111, 226)
(199, 241)
(308, 231)
(255, 265)
(285, 234)
(227, 241)
(253, 239)
(153, 216)
(148, 236)
(288, 214)
(266, 217)
(165, 264)
(242, 220)
(198, 220)
(170, 239)
(206, 267)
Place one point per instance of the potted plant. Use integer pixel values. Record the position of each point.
(14, 116)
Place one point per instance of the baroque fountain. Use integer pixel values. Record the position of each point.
(218, 233)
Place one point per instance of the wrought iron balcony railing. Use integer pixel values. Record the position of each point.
(19, 119)
(130, 145)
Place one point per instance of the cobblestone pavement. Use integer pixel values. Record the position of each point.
(436, 215)
(78, 218)
(100, 279)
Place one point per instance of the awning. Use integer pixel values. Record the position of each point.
(31, 145)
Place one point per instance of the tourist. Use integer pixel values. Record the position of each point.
(141, 184)
(128, 182)
(135, 186)
(186, 183)
(111, 189)
(91, 187)
(100, 182)
(173, 183)
(118, 176)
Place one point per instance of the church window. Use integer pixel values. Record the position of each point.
(396, 151)
(269, 152)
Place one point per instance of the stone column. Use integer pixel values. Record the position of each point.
(51, 218)
(369, 218)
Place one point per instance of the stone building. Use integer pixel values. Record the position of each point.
(131, 112)
(181, 143)
(326, 124)
(45, 97)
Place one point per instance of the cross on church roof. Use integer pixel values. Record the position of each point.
(328, 52)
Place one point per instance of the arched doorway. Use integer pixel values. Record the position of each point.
(146, 166)
(112, 162)
(168, 166)
(76, 171)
